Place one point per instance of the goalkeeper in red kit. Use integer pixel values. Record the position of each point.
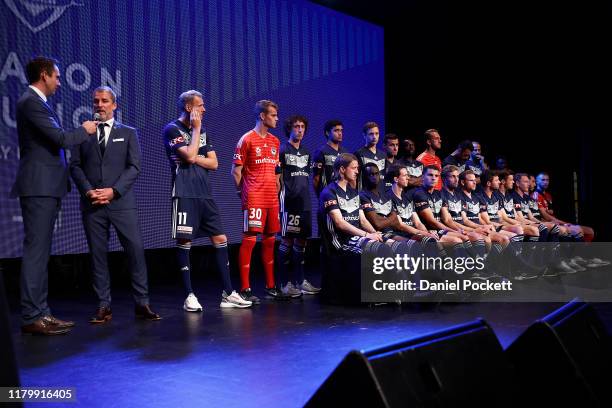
(257, 179)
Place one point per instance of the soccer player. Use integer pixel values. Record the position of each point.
(296, 219)
(370, 153)
(433, 141)
(257, 181)
(348, 229)
(545, 204)
(378, 205)
(326, 155)
(413, 166)
(509, 216)
(391, 147)
(476, 163)
(194, 212)
(452, 214)
(428, 205)
(460, 156)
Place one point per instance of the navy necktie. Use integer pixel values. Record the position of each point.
(101, 135)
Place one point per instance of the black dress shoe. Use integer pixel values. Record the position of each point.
(42, 327)
(60, 324)
(103, 315)
(145, 312)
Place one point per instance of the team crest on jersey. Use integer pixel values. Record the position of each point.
(382, 208)
(405, 211)
(298, 161)
(436, 206)
(473, 208)
(330, 159)
(258, 151)
(454, 206)
(492, 208)
(349, 206)
(415, 171)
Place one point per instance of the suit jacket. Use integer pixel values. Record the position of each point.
(118, 168)
(42, 166)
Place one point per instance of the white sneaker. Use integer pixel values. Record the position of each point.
(234, 300)
(191, 304)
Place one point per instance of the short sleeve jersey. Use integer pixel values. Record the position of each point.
(403, 206)
(188, 180)
(493, 204)
(380, 203)
(295, 165)
(323, 163)
(365, 156)
(521, 203)
(508, 203)
(452, 202)
(533, 206)
(423, 199)
(472, 206)
(453, 160)
(259, 157)
(333, 197)
(544, 200)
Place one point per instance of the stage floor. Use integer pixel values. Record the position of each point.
(275, 354)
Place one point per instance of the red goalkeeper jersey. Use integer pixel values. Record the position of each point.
(259, 157)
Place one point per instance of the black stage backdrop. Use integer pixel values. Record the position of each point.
(528, 79)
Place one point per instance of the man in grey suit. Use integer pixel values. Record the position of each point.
(42, 181)
(104, 170)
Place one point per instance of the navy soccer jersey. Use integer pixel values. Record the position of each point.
(365, 156)
(508, 203)
(381, 203)
(493, 204)
(477, 168)
(414, 167)
(333, 197)
(423, 199)
(323, 163)
(521, 203)
(452, 202)
(188, 180)
(403, 206)
(383, 174)
(455, 161)
(472, 206)
(295, 166)
(533, 206)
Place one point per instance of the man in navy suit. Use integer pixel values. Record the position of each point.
(104, 170)
(42, 181)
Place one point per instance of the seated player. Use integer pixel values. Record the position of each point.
(413, 166)
(378, 206)
(545, 204)
(460, 156)
(348, 229)
(508, 214)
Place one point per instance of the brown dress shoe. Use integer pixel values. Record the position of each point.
(60, 324)
(42, 327)
(145, 312)
(103, 315)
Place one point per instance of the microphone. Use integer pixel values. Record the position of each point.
(97, 117)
